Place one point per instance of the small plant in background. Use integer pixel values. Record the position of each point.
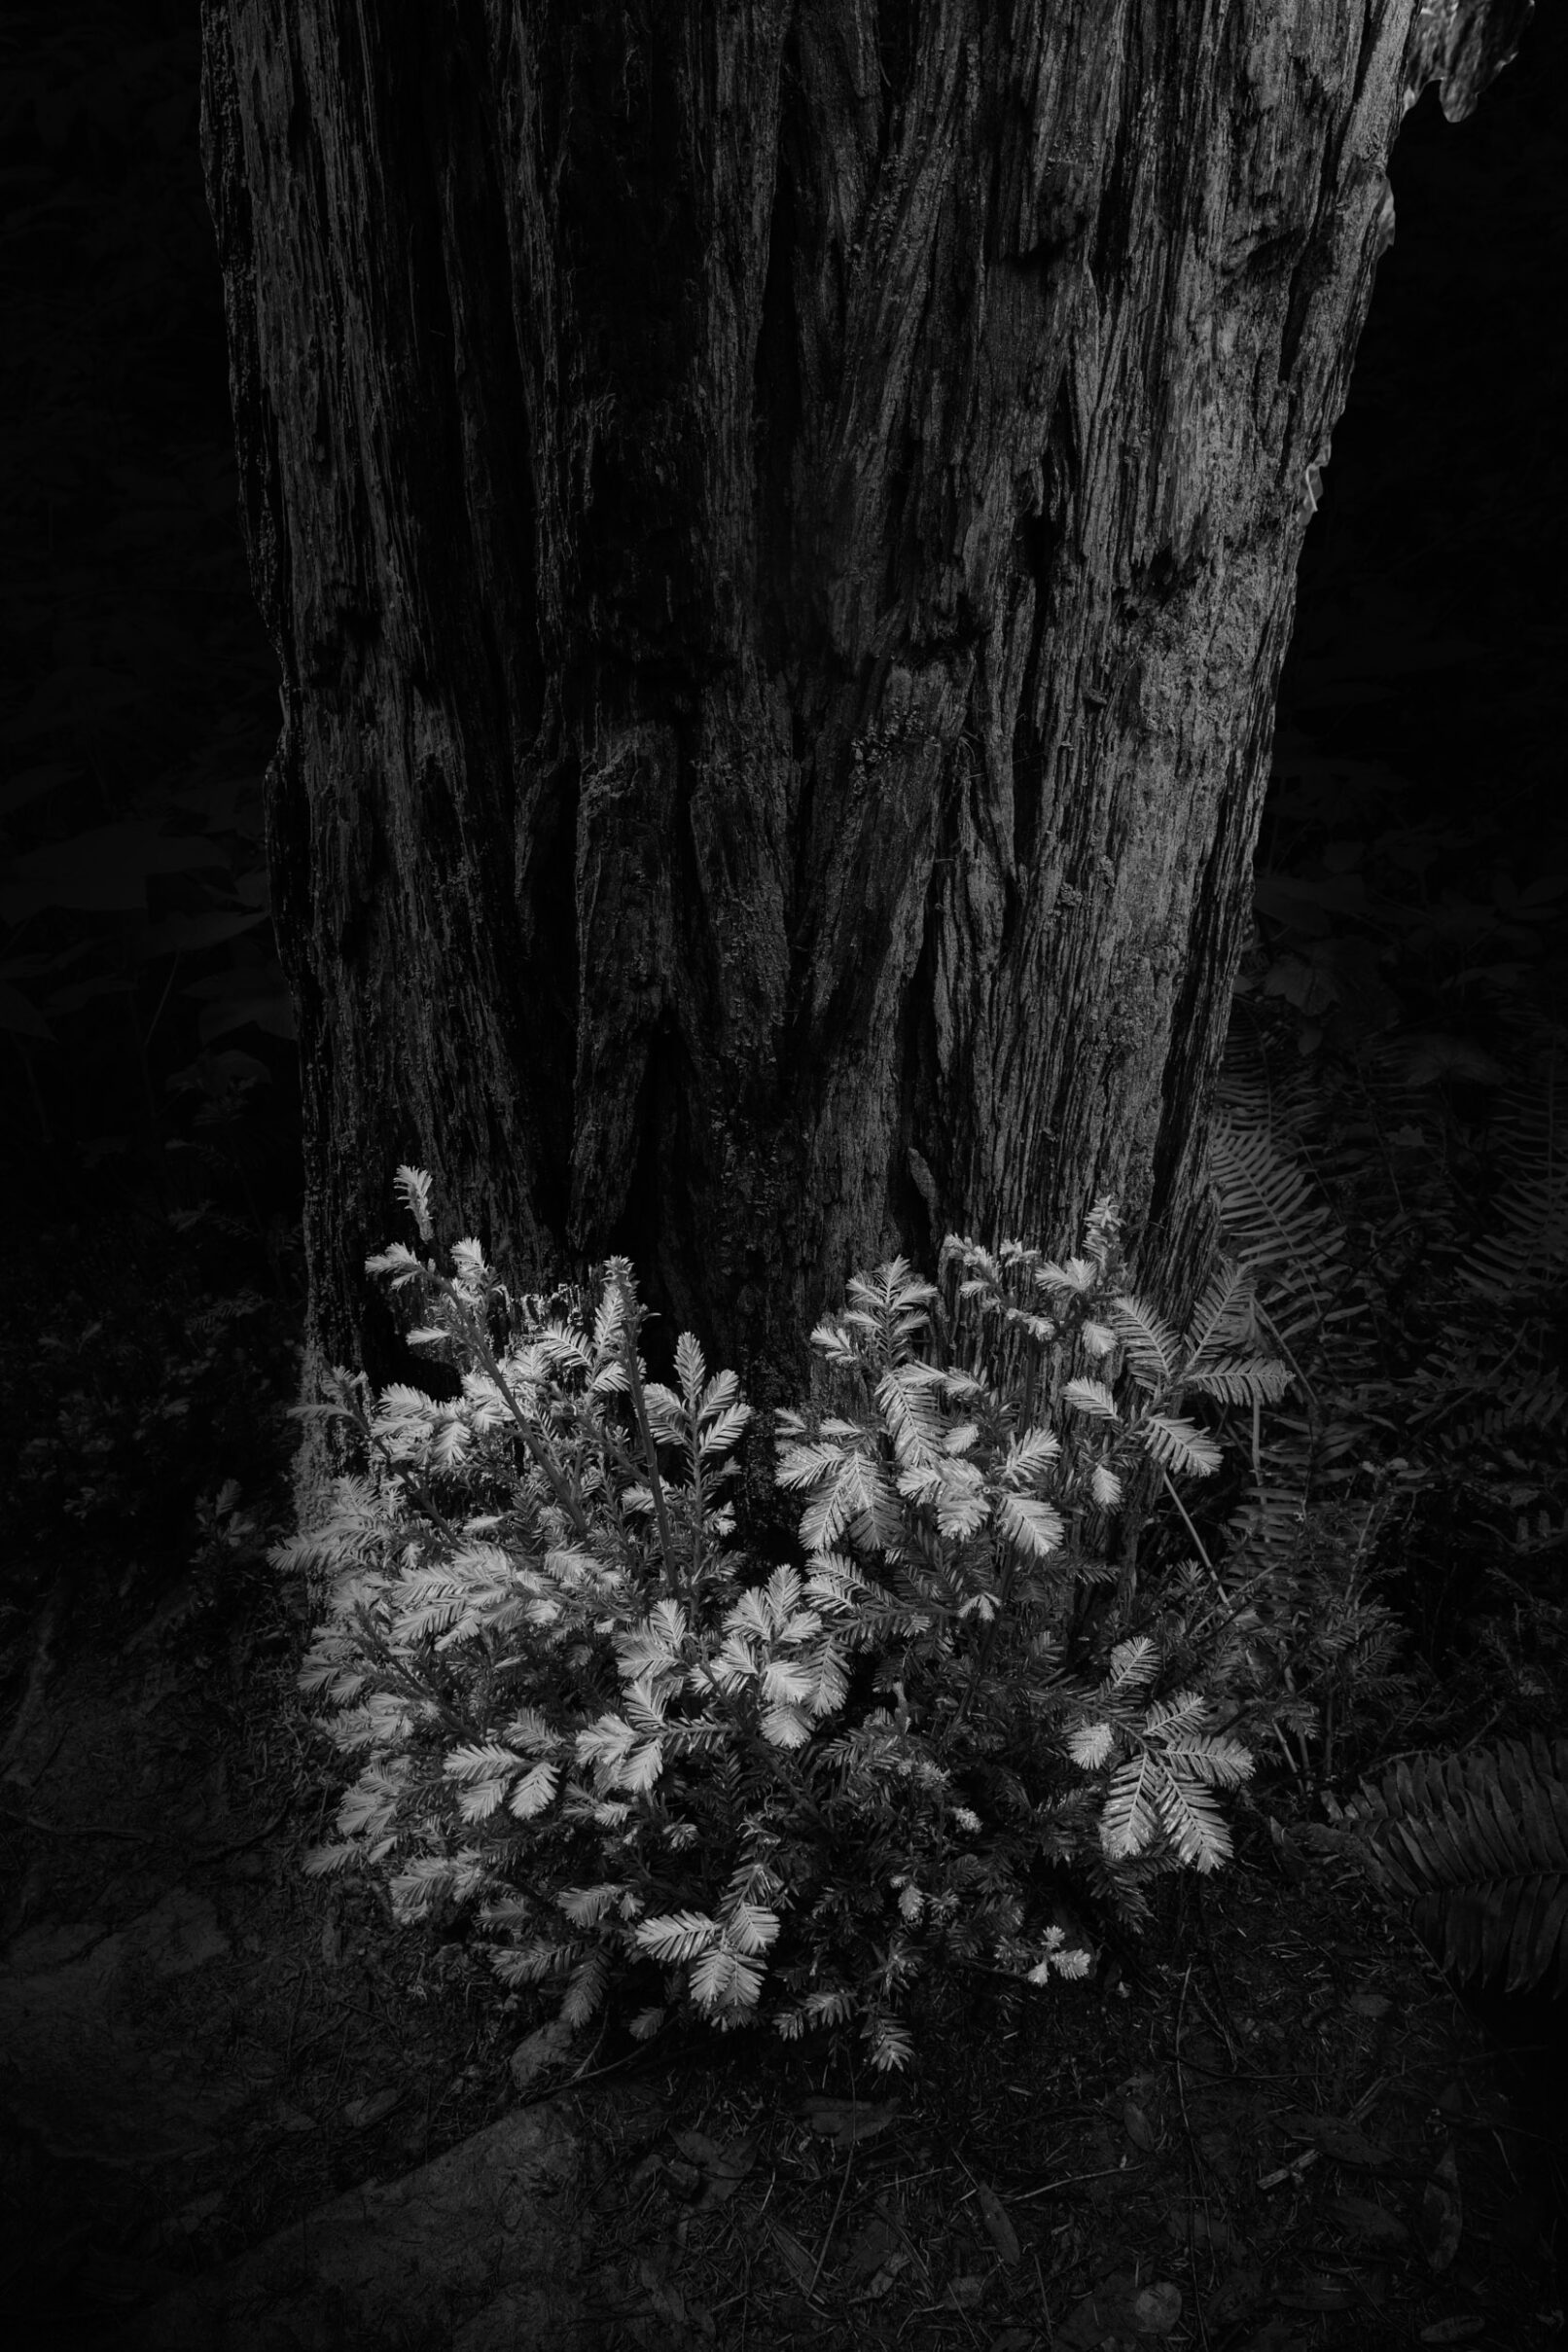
(1415, 1483)
(590, 1721)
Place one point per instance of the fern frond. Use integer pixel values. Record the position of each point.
(1270, 1218)
(1192, 1821)
(1178, 1445)
(1153, 1352)
(1240, 1379)
(1479, 1844)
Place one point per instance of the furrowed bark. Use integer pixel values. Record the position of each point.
(780, 527)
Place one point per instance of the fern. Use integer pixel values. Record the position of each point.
(1393, 1418)
(1478, 1844)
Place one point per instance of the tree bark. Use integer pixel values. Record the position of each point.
(779, 524)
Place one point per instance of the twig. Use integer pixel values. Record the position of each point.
(822, 2254)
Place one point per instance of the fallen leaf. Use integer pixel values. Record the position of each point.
(1316, 2291)
(799, 2265)
(1139, 2130)
(962, 2294)
(1337, 2137)
(360, 2114)
(725, 2170)
(869, 2250)
(1374, 2225)
(1370, 2005)
(1156, 2309)
(1453, 2331)
(848, 2119)
(1440, 2223)
(882, 2278)
(993, 2213)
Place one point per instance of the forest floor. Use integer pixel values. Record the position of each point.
(1268, 2126)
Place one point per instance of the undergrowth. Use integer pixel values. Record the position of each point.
(592, 1722)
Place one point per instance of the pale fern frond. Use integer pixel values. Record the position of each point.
(1153, 1350)
(585, 1994)
(721, 1979)
(587, 1906)
(1091, 1397)
(1178, 1445)
(481, 1759)
(1090, 1745)
(1133, 1663)
(534, 1792)
(1241, 1379)
(1131, 1820)
(690, 1371)
(1030, 1457)
(909, 1419)
(724, 1431)
(321, 1861)
(1036, 1527)
(1105, 1487)
(1192, 1822)
(678, 1937)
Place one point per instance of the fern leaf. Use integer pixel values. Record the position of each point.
(690, 1369)
(1178, 1445)
(1105, 1487)
(1153, 1350)
(1192, 1821)
(533, 1793)
(1034, 1526)
(1131, 1819)
(750, 1928)
(584, 1995)
(1241, 1379)
(1225, 1320)
(1030, 1457)
(1090, 1745)
(1090, 1396)
(320, 1860)
(1132, 1663)
(1480, 1844)
(724, 1431)
(677, 1937)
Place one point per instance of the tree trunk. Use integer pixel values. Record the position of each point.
(779, 523)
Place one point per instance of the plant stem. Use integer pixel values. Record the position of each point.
(640, 1408)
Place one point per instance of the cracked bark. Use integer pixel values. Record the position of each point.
(779, 524)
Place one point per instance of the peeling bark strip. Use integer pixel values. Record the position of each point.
(779, 522)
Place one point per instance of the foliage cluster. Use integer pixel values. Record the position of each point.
(587, 1723)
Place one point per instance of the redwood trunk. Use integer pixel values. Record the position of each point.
(779, 522)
